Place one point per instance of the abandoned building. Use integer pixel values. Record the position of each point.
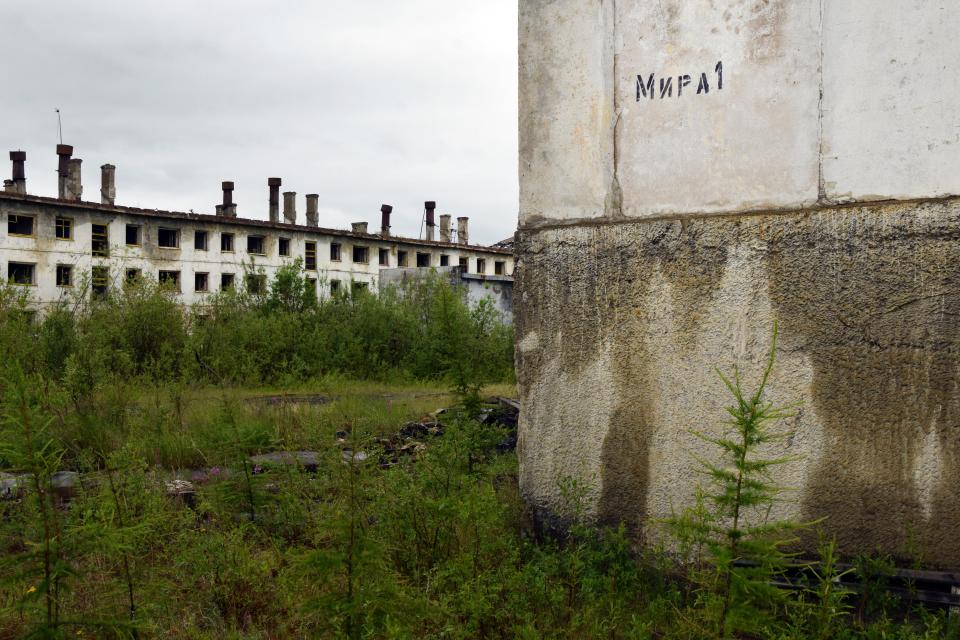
(801, 168)
(58, 245)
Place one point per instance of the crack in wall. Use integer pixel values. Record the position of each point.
(821, 184)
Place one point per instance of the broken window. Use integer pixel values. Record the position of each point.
(64, 228)
(19, 225)
(359, 288)
(312, 287)
(384, 257)
(99, 241)
(335, 252)
(401, 258)
(361, 255)
(334, 287)
(423, 259)
(257, 245)
(64, 275)
(465, 264)
(200, 241)
(99, 279)
(170, 279)
(444, 261)
(201, 282)
(283, 247)
(132, 276)
(226, 281)
(481, 266)
(168, 238)
(499, 267)
(310, 256)
(20, 273)
(256, 283)
(133, 235)
(226, 242)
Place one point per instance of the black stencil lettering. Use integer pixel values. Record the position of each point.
(666, 87)
(682, 81)
(704, 86)
(719, 70)
(645, 90)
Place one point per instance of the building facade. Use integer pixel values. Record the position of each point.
(693, 173)
(59, 246)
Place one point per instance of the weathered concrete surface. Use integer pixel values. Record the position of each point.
(620, 325)
(622, 113)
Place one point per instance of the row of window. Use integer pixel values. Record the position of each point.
(26, 274)
(169, 238)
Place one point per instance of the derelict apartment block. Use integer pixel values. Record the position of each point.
(63, 245)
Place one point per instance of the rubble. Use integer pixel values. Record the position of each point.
(309, 460)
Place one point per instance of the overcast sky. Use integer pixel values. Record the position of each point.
(364, 102)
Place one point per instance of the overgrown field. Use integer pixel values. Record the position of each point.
(138, 504)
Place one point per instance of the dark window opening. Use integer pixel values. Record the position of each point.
(64, 229)
(284, 247)
(226, 281)
(401, 258)
(310, 256)
(256, 283)
(168, 238)
(257, 245)
(384, 257)
(499, 267)
(226, 242)
(19, 225)
(465, 264)
(359, 288)
(201, 282)
(20, 273)
(132, 276)
(334, 287)
(481, 266)
(64, 275)
(99, 279)
(444, 261)
(361, 255)
(170, 279)
(423, 259)
(133, 235)
(99, 244)
(335, 252)
(200, 241)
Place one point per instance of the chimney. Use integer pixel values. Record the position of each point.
(19, 181)
(359, 227)
(313, 216)
(445, 228)
(8, 186)
(274, 184)
(462, 231)
(385, 211)
(219, 209)
(74, 189)
(64, 151)
(290, 207)
(430, 206)
(108, 186)
(229, 208)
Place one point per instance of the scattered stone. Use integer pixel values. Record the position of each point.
(181, 490)
(309, 460)
(13, 486)
(349, 454)
(65, 484)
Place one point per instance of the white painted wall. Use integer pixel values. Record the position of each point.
(885, 128)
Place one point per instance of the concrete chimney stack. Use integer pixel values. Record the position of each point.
(219, 208)
(385, 211)
(19, 177)
(8, 186)
(290, 207)
(462, 230)
(274, 184)
(64, 151)
(313, 210)
(108, 184)
(229, 208)
(430, 206)
(74, 181)
(445, 228)
(359, 227)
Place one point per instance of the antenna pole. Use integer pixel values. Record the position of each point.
(59, 126)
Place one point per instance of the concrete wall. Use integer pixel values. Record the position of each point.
(46, 251)
(497, 289)
(663, 236)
